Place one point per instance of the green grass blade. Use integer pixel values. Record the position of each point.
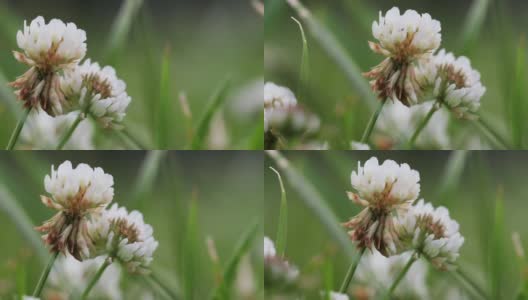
(361, 13)
(519, 96)
(121, 27)
(523, 266)
(164, 109)
(215, 103)
(305, 63)
(335, 50)
(281, 239)
(147, 174)
(189, 252)
(497, 251)
(452, 173)
(9, 205)
(8, 97)
(230, 270)
(473, 24)
(316, 203)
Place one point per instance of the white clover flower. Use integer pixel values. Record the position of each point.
(453, 82)
(385, 191)
(277, 99)
(42, 131)
(269, 248)
(124, 237)
(338, 296)
(98, 91)
(278, 273)
(78, 194)
(48, 49)
(70, 277)
(376, 272)
(404, 40)
(432, 233)
(359, 146)
(397, 123)
(29, 298)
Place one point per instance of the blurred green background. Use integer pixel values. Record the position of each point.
(205, 42)
(226, 188)
(469, 184)
(491, 33)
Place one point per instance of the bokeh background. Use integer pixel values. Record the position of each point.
(224, 189)
(206, 42)
(469, 184)
(497, 49)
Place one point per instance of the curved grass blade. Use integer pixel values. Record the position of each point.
(337, 53)
(216, 101)
(164, 109)
(316, 203)
(305, 63)
(497, 254)
(223, 292)
(147, 174)
(473, 24)
(121, 27)
(283, 218)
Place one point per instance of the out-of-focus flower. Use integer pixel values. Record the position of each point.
(276, 98)
(78, 194)
(29, 298)
(278, 273)
(43, 131)
(385, 191)
(359, 146)
(70, 277)
(431, 233)
(377, 273)
(454, 82)
(97, 91)
(48, 49)
(397, 123)
(124, 237)
(338, 296)
(403, 39)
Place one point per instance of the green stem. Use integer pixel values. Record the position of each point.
(18, 129)
(371, 123)
(350, 273)
(67, 135)
(461, 274)
(422, 125)
(106, 263)
(125, 133)
(489, 129)
(412, 259)
(44, 275)
(163, 286)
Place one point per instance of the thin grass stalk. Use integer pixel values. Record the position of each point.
(67, 135)
(107, 262)
(421, 126)
(402, 274)
(18, 128)
(44, 276)
(350, 273)
(281, 239)
(372, 123)
(463, 276)
(157, 280)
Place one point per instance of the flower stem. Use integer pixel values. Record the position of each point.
(106, 263)
(371, 123)
(132, 139)
(494, 134)
(411, 260)
(18, 129)
(350, 273)
(461, 274)
(422, 125)
(44, 275)
(67, 135)
(163, 286)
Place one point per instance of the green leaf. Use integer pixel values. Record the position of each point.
(216, 101)
(305, 63)
(452, 173)
(223, 292)
(121, 27)
(282, 230)
(147, 174)
(519, 96)
(496, 259)
(189, 252)
(315, 202)
(164, 109)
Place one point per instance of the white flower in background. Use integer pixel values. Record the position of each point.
(432, 233)
(78, 194)
(403, 39)
(29, 298)
(397, 123)
(359, 146)
(269, 248)
(123, 237)
(98, 91)
(278, 273)
(70, 277)
(454, 82)
(385, 191)
(277, 99)
(48, 49)
(338, 296)
(376, 273)
(42, 131)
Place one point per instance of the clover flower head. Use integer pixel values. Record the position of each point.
(70, 277)
(122, 236)
(269, 248)
(98, 91)
(376, 271)
(405, 40)
(47, 49)
(278, 273)
(385, 191)
(276, 98)
(398, 122)
(78, 194)
(359, 146)
(453, 81)
(43, 131)
(432, 233)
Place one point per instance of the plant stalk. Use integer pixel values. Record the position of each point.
(461, 274)
(100, 271)
(163, 286)
(67, 135)
(372, 123)
(350, 273)
(44, 276)
(422, 125)
(16, 133)
(411, 260)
